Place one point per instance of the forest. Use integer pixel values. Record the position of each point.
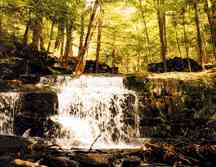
(125, 34)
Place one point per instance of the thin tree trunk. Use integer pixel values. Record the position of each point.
(127, 63)
(60, 35)
(37, 30)
(162, 31)
(145, 27)
(42, 42)
(81, 64)
(51, 35)
(25, 36)
(206, 59)
(1, 29)
(177, 42)
(186, 42)
(62, 47)
(113, 50)
(113, 56)
(100, 23)
(138, 62)
(199, 39)
(69, 31)
(165, 33)
(211, 26)
(213, 19)
(1, 24)
(2, 12)
(81, 32)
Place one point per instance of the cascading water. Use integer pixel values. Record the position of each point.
(8, 104)
(96, 110)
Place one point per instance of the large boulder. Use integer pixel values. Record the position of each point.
(176, 64)
(90, 67)
(34, 111)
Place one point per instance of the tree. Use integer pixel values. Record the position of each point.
(199, 39)
(100, 24)
(212, 24)
(81, 63)
(68, 45)
(145, 27)
(162, 30)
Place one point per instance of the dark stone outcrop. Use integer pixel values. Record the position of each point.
(19, 59)
(173, 107)
(34, 111)
(175, 64)
(90, 67)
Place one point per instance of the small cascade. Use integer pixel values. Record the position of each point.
(96, 111)
(8, 104)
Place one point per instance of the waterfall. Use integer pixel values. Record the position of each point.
(96, 110)
(8, 104)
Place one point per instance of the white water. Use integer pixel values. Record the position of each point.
(92, 112)
(8, 104)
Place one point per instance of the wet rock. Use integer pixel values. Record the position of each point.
(4, 85)
(29, 78)
(59, 162)
(35, 108)
(131, 162)
(6, 160)
(211, 124)
(39, 103)
(12, 145)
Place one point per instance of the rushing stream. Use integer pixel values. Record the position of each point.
(95, 111)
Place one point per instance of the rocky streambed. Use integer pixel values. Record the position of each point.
(176, 117)
(35, 152)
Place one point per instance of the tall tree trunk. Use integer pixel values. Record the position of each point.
(60, 35)
(146, 28)
(37, 31)
(199, 39)
(82, 26)
(81, 64)
(1, 24)
(177, 41)
(211, 25)
(100, 23)
(68, 45)
(213, 18)
(162, 31)
(186, 41)
(206, 58)
(51, 36)
(113, 54)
